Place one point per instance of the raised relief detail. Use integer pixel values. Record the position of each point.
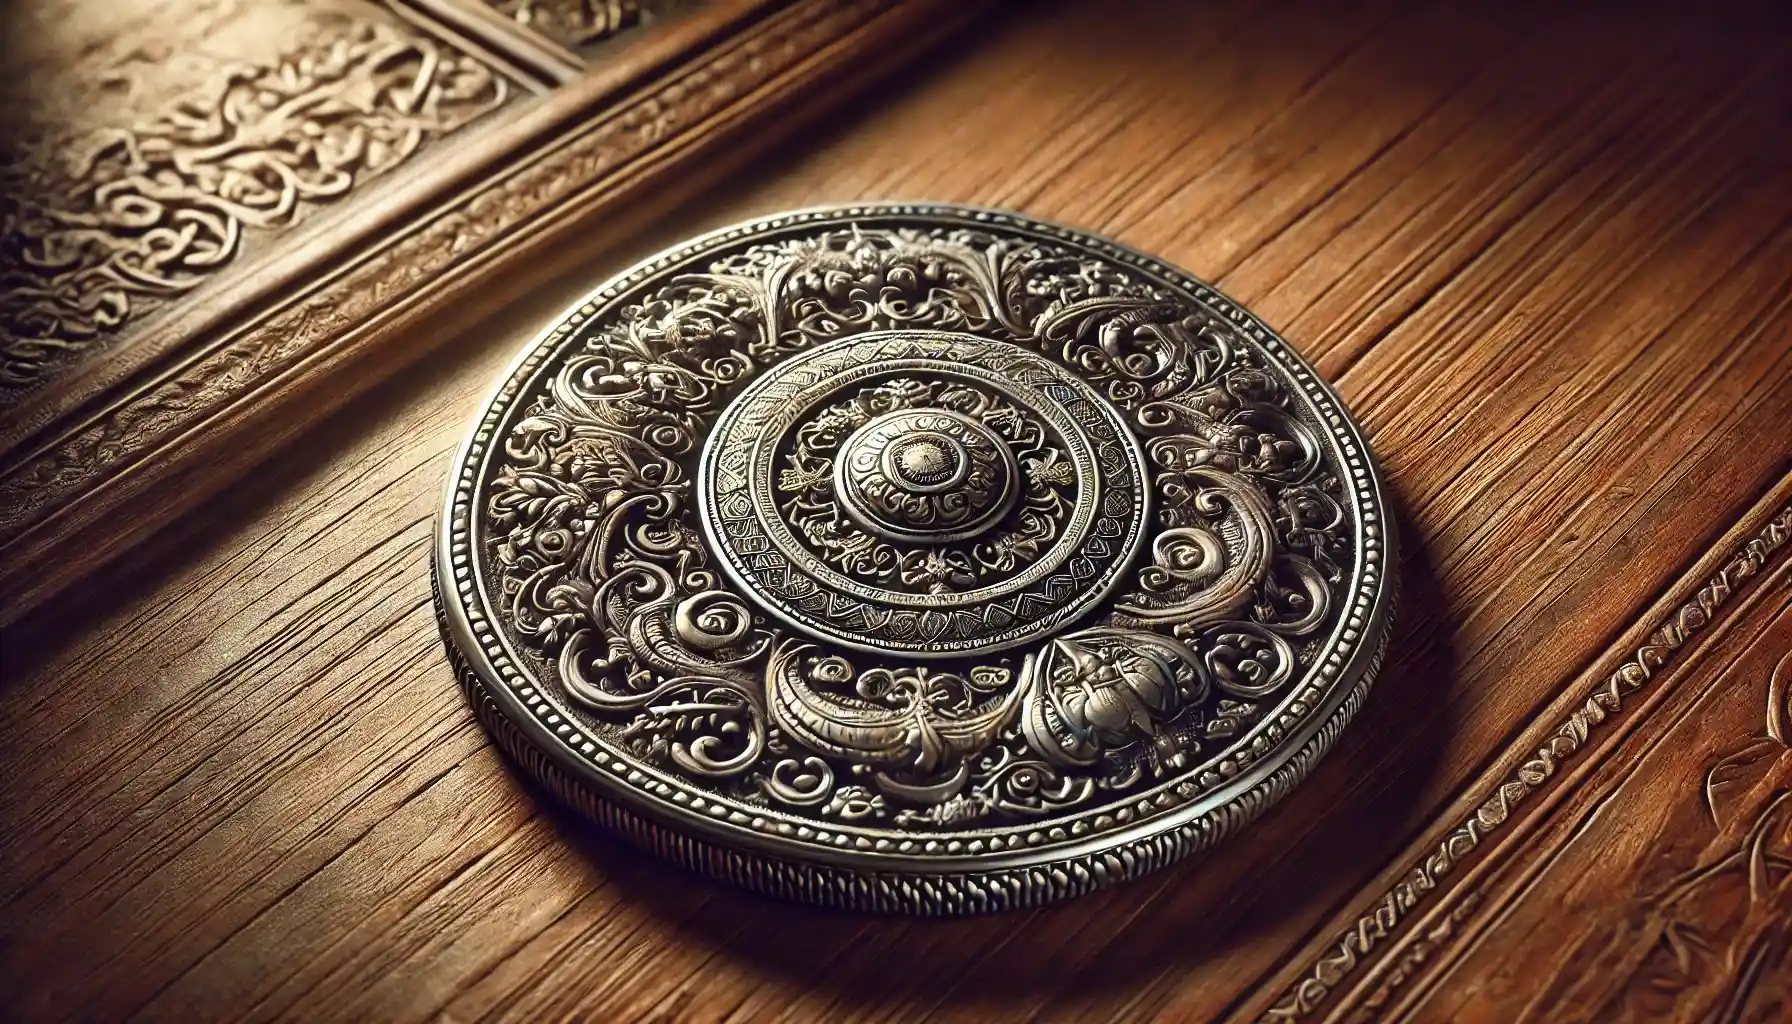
(107, 226)
(1380, 934)
(920, 528)
(980, 496)
(1706, 944)
(1103, 689)
(573, 22)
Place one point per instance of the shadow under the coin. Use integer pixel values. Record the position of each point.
(1282, 875)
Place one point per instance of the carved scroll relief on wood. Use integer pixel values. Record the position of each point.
(573, 22)
(1384, 953)
(1707, 943)
(203, 132)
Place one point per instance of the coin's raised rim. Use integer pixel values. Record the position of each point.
(921, 875)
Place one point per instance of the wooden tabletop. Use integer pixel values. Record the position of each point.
(1545, 252)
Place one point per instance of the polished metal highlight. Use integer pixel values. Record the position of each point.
(915, 558)
(949, 494)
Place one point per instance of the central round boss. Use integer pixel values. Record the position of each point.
(928, 476)
(923, 493)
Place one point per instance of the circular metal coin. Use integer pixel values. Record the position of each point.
(915, 558)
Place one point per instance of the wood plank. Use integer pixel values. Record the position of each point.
(1661, 891)
(145, 428)
(1546, 253)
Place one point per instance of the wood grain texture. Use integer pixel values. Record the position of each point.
(1435, 894)
(1546, 254)
(120, 445)
(1662, 884)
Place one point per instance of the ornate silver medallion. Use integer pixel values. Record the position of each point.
(915, 558)
(922, 493)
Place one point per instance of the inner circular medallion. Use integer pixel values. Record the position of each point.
(925, 476)
(923, 493)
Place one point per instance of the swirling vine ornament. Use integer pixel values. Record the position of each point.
(915, 558)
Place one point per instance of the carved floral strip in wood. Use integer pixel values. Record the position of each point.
(1657, 890)
(152, 211)
(1383, 921)
(573, 22)
(606, 156)
(1702, 944)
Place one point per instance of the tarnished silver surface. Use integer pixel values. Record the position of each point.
(915, 558)
(922, 493)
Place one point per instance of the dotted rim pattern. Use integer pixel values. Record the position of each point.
(867, 869)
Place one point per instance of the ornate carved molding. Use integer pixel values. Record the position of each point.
(573, 22)
(151, 211)
(1385, 920)
(613, 151)
(1704, 940)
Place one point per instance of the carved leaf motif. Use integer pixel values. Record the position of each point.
(154, 210)
(574, 22)
(914, 730)
(1194, 577)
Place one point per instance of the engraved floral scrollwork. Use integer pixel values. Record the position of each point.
(1196, 576)
(700, 710)
(1144, 348)
(1028, 787)
(574, 22)
(675, 528)
(1247, 661)
(153, 210)
(913, 727)
(800, 782)
(1004, 784)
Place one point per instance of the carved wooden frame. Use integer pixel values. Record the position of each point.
(1396, 936)
(128, 440)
